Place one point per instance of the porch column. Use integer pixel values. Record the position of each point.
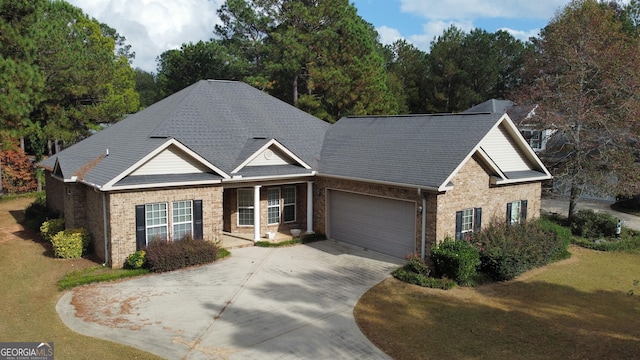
(309, 207)
(256, 213)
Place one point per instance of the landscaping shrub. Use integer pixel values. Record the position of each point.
(630, 244)
(137, 260)
(51, 227)
(165, 255)
(71, 243)
(457, 260)
(18, 173)
(416, 272)
(37, 212)
(590, 224)
(509, 250)
(555, 226)
(408, 276)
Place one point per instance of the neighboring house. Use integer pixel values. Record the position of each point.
(224, 156)
(521, 116)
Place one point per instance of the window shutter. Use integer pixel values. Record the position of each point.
(477, 224)
(458, 225)
(508, 213)
(141, 229)
(523, 210)
(197, 219)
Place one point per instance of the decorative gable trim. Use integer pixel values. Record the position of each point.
(537, 171)
(171, 142)
(279, 147)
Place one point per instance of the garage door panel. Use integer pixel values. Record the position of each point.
(380, 224)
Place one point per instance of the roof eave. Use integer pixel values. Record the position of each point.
(381, 182)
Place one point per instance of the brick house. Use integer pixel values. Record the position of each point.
(221, 156)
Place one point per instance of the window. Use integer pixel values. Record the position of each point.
(156, 222)
(468, 220)
(245, 207)
(152, 221)
(289, 207)
(273, 205)
(516, 212)
(182, 219)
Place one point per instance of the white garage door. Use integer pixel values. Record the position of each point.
(379, 224)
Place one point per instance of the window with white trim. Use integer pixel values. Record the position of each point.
(156, 225)
(516, 212)
(182, 219)
(273, 205)
(467, 221)
(289, 204)
(245, 207)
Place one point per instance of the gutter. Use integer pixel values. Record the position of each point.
(105, 227)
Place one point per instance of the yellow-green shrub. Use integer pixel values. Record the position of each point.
(71, 243)
(51, 227)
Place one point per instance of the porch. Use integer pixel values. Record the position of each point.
(239, 240)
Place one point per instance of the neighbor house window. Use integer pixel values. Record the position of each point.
(182, 219)
(273, 205)
(467, 221)
(516, 212)
(245, 207)
(156, 222)
(289, 207)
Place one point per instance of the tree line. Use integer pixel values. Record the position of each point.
(64, 75)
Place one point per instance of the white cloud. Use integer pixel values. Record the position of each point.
(470, 9)
(521, 34)
(433, 29)
(388, 35)
(154, 26)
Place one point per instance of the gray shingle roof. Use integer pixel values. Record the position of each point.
(491, 106)
(419, 150)
(213, 118)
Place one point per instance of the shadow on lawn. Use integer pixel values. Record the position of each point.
(515, 320)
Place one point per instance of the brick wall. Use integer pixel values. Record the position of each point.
(123, 220)
(74, 205)
(55, 192)
(94, 221)
(472, 189)
(231, 209)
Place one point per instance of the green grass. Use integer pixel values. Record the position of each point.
(574, 309)
(30, 195)
(29, 287)
(96, 274)
(223, 253)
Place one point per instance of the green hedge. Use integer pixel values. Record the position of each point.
(51, 227)
(137, 260)
(589, 224)
(164, 255)
(509, 250)
(71, 243)
(457, 260)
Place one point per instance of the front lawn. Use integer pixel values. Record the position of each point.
(574, 309)
(29, 287)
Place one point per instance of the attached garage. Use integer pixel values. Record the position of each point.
(380, 224)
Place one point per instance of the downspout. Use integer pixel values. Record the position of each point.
(106, 232)
(423, 236)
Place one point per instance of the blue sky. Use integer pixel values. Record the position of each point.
(154, 26)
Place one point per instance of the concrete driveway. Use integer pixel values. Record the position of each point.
(260, 303)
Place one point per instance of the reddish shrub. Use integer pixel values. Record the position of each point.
(18, 173)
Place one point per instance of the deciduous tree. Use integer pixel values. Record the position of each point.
(585, 79)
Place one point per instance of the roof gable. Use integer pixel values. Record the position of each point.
(426, 151)
(171, 158)
(269, 153)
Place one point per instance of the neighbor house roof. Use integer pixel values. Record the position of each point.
(426, 151)
(216, 124)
